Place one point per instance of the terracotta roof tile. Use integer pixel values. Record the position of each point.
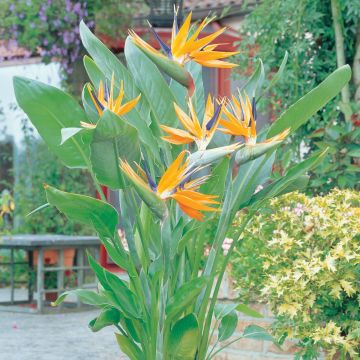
(191, 5)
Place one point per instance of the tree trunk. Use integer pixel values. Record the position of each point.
(340, 55)
(356, 68)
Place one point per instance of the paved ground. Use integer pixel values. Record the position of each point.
(54, 337)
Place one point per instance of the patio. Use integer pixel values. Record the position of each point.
(54, 337)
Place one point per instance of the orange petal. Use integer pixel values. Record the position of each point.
(195, 214)
(216, 63)
(181, 36)
(128, 106)
(172, 174)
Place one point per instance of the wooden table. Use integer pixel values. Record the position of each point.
(40, 243)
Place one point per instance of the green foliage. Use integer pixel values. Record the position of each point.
(307, 268)
(38, 166)
(165, 309)
(270, 31)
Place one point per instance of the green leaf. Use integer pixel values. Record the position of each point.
(129, 348)
(281, 185)
(227, 326)
(108, 317)
(223, 309)
(101, 215)
(256, 80)
(298, 184)
(85, 296)
(248, 311)
(116, 290)
(258, 333)
(184, 338)
(68, 133)
(354, 153)
(198, 98)
(251, 152)
(298, 113)
(113, 138)
(278, 75)
(51, 110)
(154, 88)
(184, 296)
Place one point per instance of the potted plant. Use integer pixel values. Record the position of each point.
(128, 136)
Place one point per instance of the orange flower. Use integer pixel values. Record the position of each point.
(200, 134)
(241, 121)
(185, 48)
(174, 184)
(105, 99)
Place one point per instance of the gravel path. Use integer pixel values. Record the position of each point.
(55, 337)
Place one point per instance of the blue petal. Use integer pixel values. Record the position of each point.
(253, 105)
(212, 121)
(97, 100)
(166, 49)
(151, 181)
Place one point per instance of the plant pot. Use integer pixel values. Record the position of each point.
(51, 257)
(51, 296)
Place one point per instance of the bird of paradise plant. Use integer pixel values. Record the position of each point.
(169, 192)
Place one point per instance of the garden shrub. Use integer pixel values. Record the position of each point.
(307, 268)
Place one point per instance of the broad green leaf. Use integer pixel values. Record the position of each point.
(116, 290)
(250, 175)
(184, 338)
(184, 296)
(129, 348)
(113, 138)
(102, 216)
(223, 309)
(355, 153)
(298, 113)
(298, 184)
(51, 110)
(198, 98)
(227, 326)
(256, 80)
(67, 133)
(216, 183)
(85, 296)
(152, 84)
(248, 311)
(281, 185)
(108, 317)
(258, 333)
(278, 75)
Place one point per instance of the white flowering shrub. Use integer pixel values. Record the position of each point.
(307, 268)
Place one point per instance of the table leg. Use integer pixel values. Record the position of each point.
(61, 273)
(12, 277)
(40, 281)
(80, 272)
(30, 275)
